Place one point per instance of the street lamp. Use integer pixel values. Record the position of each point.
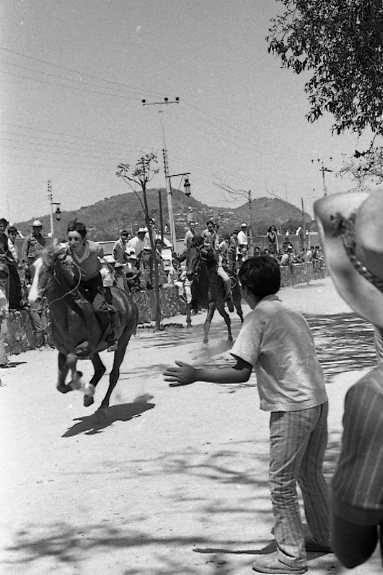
(57, 213)
(187, 187)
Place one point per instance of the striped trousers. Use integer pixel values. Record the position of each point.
(298, 441)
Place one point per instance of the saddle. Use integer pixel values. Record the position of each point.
(87, 328)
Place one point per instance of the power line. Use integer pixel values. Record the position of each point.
(55, 84)
(137, 90)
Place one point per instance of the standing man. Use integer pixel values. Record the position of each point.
(189, 236)
(137, 243)
(119, 247)
(243, 242)
(32, 248)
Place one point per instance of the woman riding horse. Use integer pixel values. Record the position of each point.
(69, 277)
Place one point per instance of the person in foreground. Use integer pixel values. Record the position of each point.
(276, 341)
(350, 225)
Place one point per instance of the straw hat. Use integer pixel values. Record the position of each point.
(351, 230)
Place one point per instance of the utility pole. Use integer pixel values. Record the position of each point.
(50, 198)
(166, 102)
(250, 199)
(323, 169)
(57, 211)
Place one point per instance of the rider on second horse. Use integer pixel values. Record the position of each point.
(85, 256)
(210, 244)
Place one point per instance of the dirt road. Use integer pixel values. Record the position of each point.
(170, 481)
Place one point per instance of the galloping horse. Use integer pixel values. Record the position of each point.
(76, 332)
(207, 286)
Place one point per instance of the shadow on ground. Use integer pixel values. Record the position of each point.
(344, 342)
(232, 465)
(96, 422)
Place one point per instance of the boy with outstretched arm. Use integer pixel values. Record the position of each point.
(277, 343)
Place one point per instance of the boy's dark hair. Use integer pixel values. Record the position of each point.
(261, 275)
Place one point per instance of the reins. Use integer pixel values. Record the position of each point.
(58, 281)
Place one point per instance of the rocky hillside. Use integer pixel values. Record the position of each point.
(105, 218)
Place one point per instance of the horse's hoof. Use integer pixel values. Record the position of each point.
(205, 340)
(88, 400)
(62, 388)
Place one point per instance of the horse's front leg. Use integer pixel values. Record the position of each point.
(226, 317)
(63, 368)
(99, 370)
(206, 325)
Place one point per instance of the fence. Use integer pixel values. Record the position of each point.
(19, 335)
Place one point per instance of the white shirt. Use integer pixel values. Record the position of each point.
(135, 244)
(242, 238)
(278, 343)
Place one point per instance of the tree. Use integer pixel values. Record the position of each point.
(339, 43)
(365, 166)
(140, 175)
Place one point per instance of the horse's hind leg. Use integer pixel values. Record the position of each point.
(114, 375)
(206, 325)
(226, 317)
(99, 370)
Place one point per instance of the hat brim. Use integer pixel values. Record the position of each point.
(361, 295)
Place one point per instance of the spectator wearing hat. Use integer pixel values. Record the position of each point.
(33, 246)
(242, 242)
(132, 272)
(137, 243)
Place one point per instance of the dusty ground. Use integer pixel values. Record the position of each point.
(171, 481)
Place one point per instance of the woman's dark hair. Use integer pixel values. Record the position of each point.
(12, 229)
(78, 227)
(261, 275)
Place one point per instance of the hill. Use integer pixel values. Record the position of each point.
(105, 218)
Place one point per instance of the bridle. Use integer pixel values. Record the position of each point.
(54, 277)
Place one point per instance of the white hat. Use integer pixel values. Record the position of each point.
(243, 225)
(37, 224)
(142, 230)
(350, 226)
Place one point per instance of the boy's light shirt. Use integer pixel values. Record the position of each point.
(278, 343)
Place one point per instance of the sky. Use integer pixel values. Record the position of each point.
(73, 74)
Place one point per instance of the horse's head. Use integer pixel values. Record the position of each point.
(50, 269)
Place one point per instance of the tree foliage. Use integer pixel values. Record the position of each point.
(339, 43)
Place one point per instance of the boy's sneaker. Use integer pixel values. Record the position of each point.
(271, 564)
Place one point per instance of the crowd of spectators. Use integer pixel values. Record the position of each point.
(132, 262)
